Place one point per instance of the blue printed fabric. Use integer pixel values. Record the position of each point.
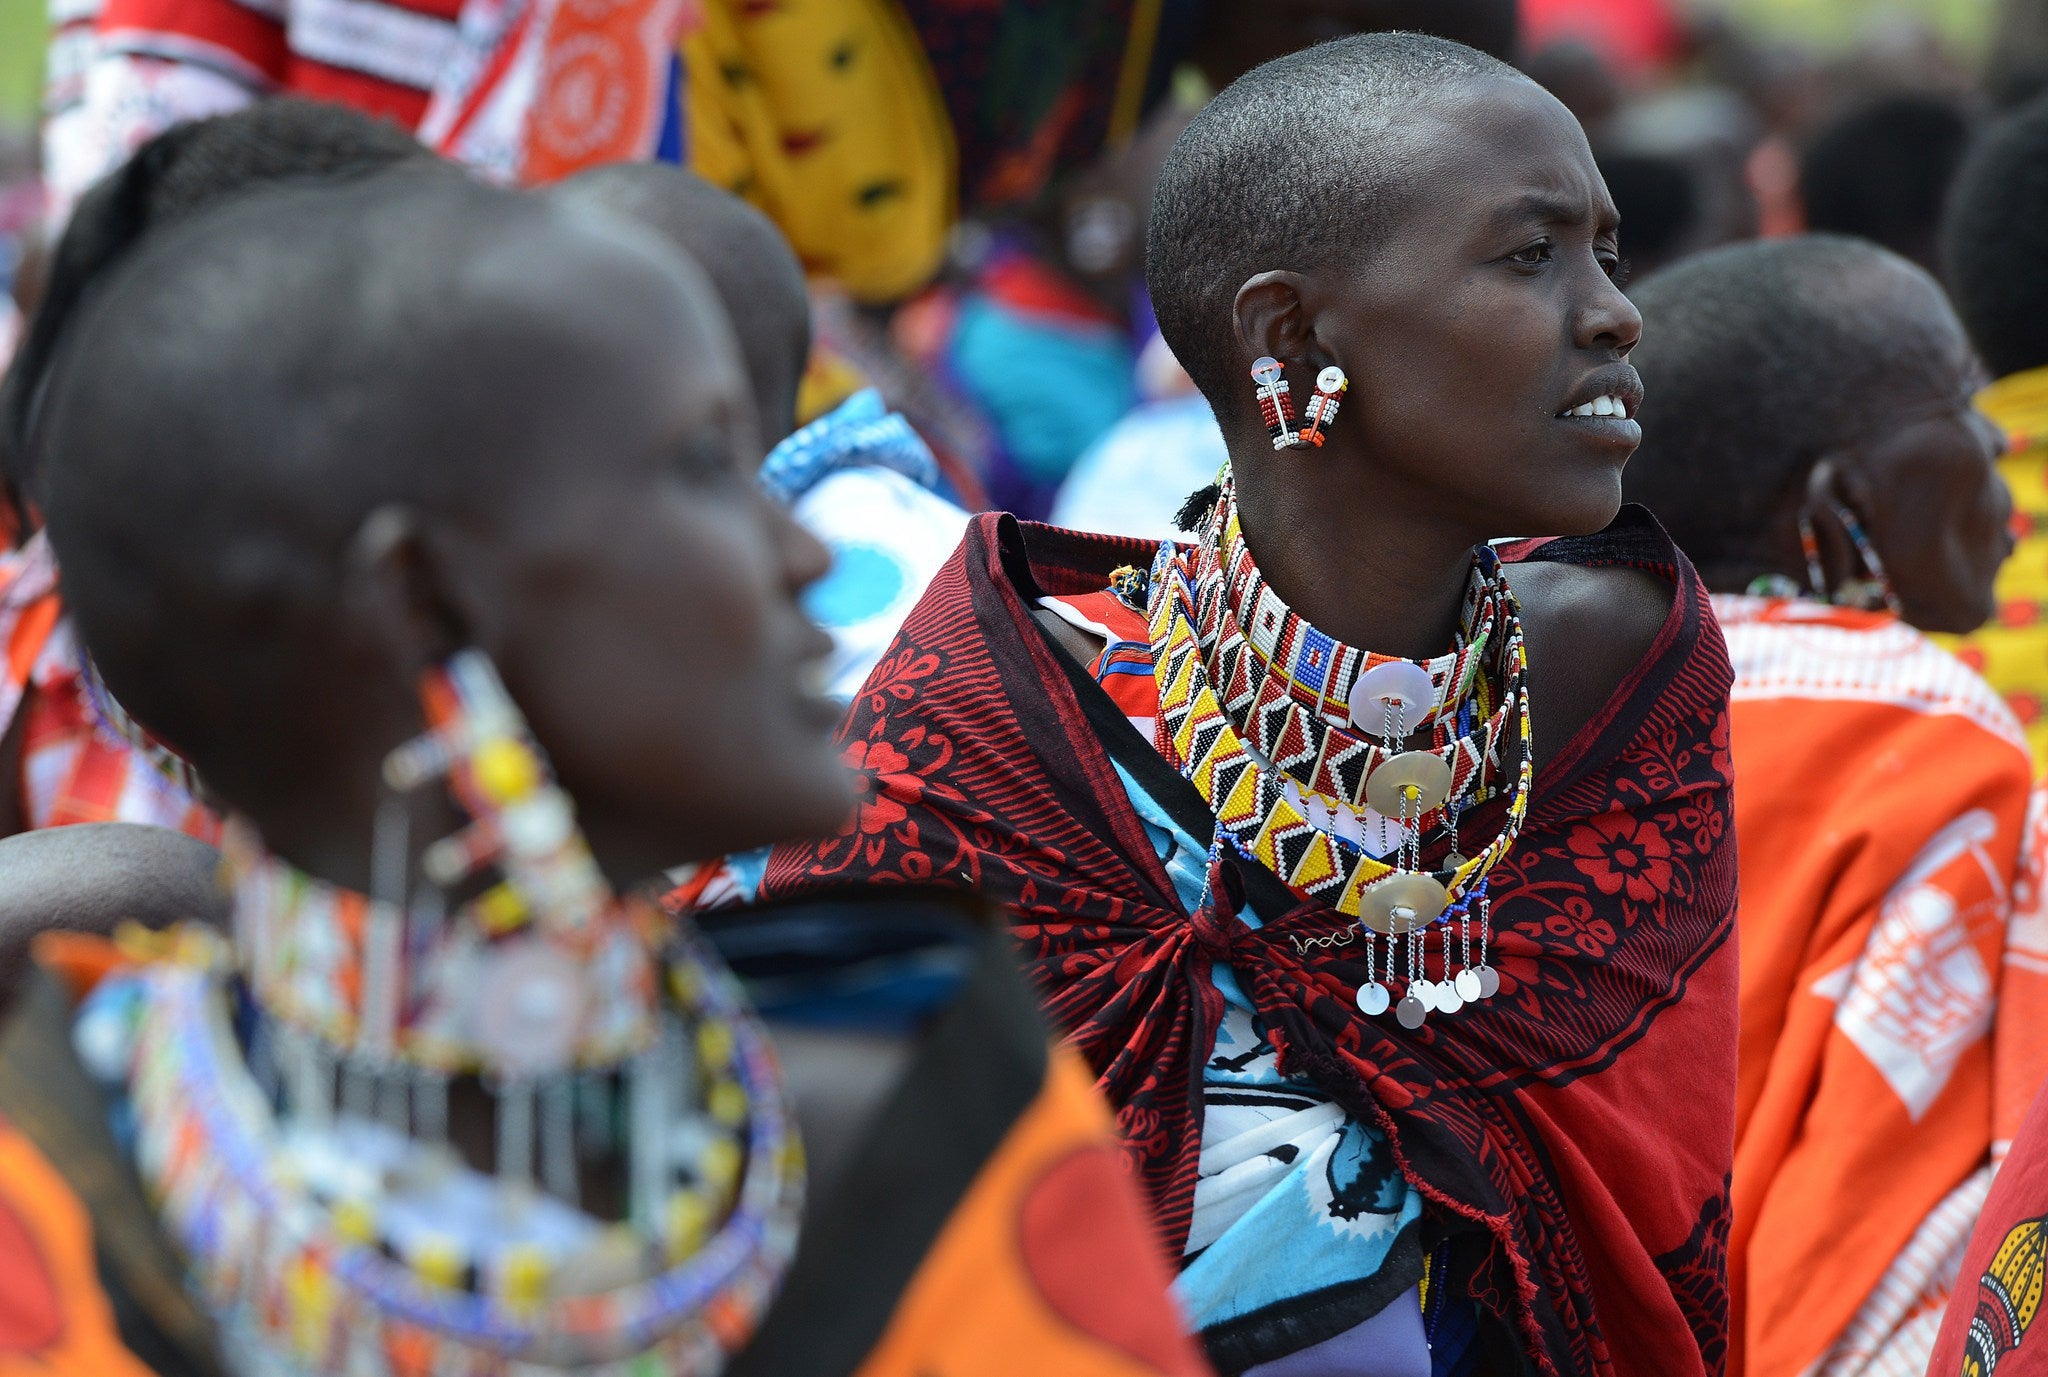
(860, 433)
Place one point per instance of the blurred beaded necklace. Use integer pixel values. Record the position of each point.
(293, 1125)
(1300, 745)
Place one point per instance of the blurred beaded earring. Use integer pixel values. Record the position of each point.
(1874, 589)
(315, 1185)
(1870, 592)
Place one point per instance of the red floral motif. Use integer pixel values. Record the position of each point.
(883, 784)
(1617, 851)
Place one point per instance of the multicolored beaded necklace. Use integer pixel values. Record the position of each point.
(1249, 712)
(301, 1156)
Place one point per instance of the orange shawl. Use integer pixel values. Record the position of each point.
(1881, 799)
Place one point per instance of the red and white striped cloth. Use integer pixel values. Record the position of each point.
(75, 764)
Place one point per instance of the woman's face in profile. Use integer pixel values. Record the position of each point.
(649, 591)
(1488, 317)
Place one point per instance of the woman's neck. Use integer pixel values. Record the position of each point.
(1366, 570)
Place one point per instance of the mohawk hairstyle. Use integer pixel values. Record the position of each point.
(1994, 242)
(185, 169)
(1289, 167)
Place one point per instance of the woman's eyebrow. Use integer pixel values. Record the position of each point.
(1546, 207)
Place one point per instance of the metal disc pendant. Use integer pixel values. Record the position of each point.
(1409, 785)
(1403, 902)
(1411, 1013)
(1373, 999)
(1468, 985)
(1489, 982)
(1424, 990)
(1448, 1000)
(1401, 684)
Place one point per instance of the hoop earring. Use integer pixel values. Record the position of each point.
(1874, 589)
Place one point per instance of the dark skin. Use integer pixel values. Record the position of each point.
(98, 876)
(641, 436)
(1920, 476)
(1490, 309)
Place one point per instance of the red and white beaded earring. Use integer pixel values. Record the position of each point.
(1274, 404)
(1322, 408)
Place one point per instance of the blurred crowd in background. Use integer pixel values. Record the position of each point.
(1019, 342)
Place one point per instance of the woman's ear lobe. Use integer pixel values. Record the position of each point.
(396, 583)
(1271, 318)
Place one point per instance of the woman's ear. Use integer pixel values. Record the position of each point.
(397, 589)
(1271, 318)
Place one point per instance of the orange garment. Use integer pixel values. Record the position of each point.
(1882, 794)
(54, 1314)
(1033, 1272)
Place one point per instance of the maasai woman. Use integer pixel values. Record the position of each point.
(405, 544)
(63, 757)
(1811, 435)
(1385, 878)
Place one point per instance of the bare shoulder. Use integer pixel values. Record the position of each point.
(1587, 627)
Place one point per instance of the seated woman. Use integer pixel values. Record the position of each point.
(1810, 440)
(406, 546)
(1408, 968)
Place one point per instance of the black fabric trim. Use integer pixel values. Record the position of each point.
(47, 1095)
(978, 1070)
(1309, 1319)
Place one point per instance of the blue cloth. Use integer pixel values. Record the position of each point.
(863, 482)
(860, 433)
(1316, 1201)
(1134, 479)
(1049, 386)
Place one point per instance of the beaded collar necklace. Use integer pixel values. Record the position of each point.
(1215, 678)
(293, 1119)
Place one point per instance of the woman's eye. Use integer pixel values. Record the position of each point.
(1616, 268)
(1533, 255)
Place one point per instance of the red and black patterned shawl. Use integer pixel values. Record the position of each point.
(1573, 1135)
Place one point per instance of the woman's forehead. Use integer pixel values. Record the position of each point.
(1500, 155)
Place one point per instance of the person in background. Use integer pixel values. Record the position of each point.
(859, 478)
(1809, 439)
(1161, 760)
(403, 581)
(1881, 170)
(67, 754)
(1992, 241)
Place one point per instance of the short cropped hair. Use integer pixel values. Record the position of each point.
(1758, 359)
(1249, 185)
(1994, 242)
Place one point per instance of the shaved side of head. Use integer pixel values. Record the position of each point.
(1298, 164)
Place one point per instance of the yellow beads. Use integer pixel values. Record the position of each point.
(505, 769)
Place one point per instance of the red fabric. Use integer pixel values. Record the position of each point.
(250, 39)
(1579, 1127)
(1994, 1318)
(402, 105)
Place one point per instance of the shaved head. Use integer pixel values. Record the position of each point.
(1758, 359)
(753, 268)
(1300, 164)
(254, 385)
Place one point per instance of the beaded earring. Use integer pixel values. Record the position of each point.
(1322, 408)
(1870, 592)
(1275, 405)
(1874, 589)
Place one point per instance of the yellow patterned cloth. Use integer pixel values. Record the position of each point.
(825, 114)
(2012, 649)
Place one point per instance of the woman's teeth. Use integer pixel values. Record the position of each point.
(1599, 406)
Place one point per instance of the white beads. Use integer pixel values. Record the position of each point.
(1404, 685)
